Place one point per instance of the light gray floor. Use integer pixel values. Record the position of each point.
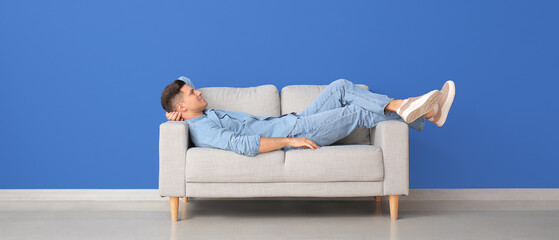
(279, 219)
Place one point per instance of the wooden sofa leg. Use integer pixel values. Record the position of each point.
(185, 199)
(174, 208)
(393, 206)
(379, 198)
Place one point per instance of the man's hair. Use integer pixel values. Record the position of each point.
(172, 95)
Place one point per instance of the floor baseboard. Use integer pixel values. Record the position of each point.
(153, 195)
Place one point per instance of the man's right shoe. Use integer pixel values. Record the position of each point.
(415, 107)
(444, 103)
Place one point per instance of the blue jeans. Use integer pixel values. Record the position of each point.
(341, 108)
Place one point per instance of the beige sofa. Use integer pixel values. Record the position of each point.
(368, 162)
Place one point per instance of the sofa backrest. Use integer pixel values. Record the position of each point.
(295, 98)
(262, 100)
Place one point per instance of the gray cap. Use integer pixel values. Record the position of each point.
(187, 81)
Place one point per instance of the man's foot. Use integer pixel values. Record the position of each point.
(415, 107)
(443, 105)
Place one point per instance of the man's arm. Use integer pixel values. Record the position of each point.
(217, 137)
(268, 144)
(173, 116)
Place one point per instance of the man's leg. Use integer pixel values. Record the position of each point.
(343, 92)
(327, 127)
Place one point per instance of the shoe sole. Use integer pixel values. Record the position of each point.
(447, 104)
(423, 105)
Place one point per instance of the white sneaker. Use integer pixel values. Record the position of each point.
(415, 107)
(443, 105)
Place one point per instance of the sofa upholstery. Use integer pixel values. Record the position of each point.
(368, 162)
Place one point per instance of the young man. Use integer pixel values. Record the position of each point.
(334, 114)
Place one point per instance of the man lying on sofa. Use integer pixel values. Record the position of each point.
(333, 115)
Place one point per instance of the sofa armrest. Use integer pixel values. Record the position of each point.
(173, 144)
(392, 137)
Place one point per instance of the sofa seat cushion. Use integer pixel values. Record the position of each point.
(335, 164)
(216, 165)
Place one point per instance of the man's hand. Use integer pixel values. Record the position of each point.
(303, 142)
(174, 116)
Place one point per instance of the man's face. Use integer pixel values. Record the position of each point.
(193, 100)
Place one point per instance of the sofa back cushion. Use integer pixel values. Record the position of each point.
(295, 98)
(262, 100)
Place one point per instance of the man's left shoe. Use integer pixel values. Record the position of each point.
(415, 107)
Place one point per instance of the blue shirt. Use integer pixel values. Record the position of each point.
(237, 131)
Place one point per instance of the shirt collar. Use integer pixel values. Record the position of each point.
(191, 120)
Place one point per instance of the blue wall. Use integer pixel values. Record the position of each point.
(81, 80)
